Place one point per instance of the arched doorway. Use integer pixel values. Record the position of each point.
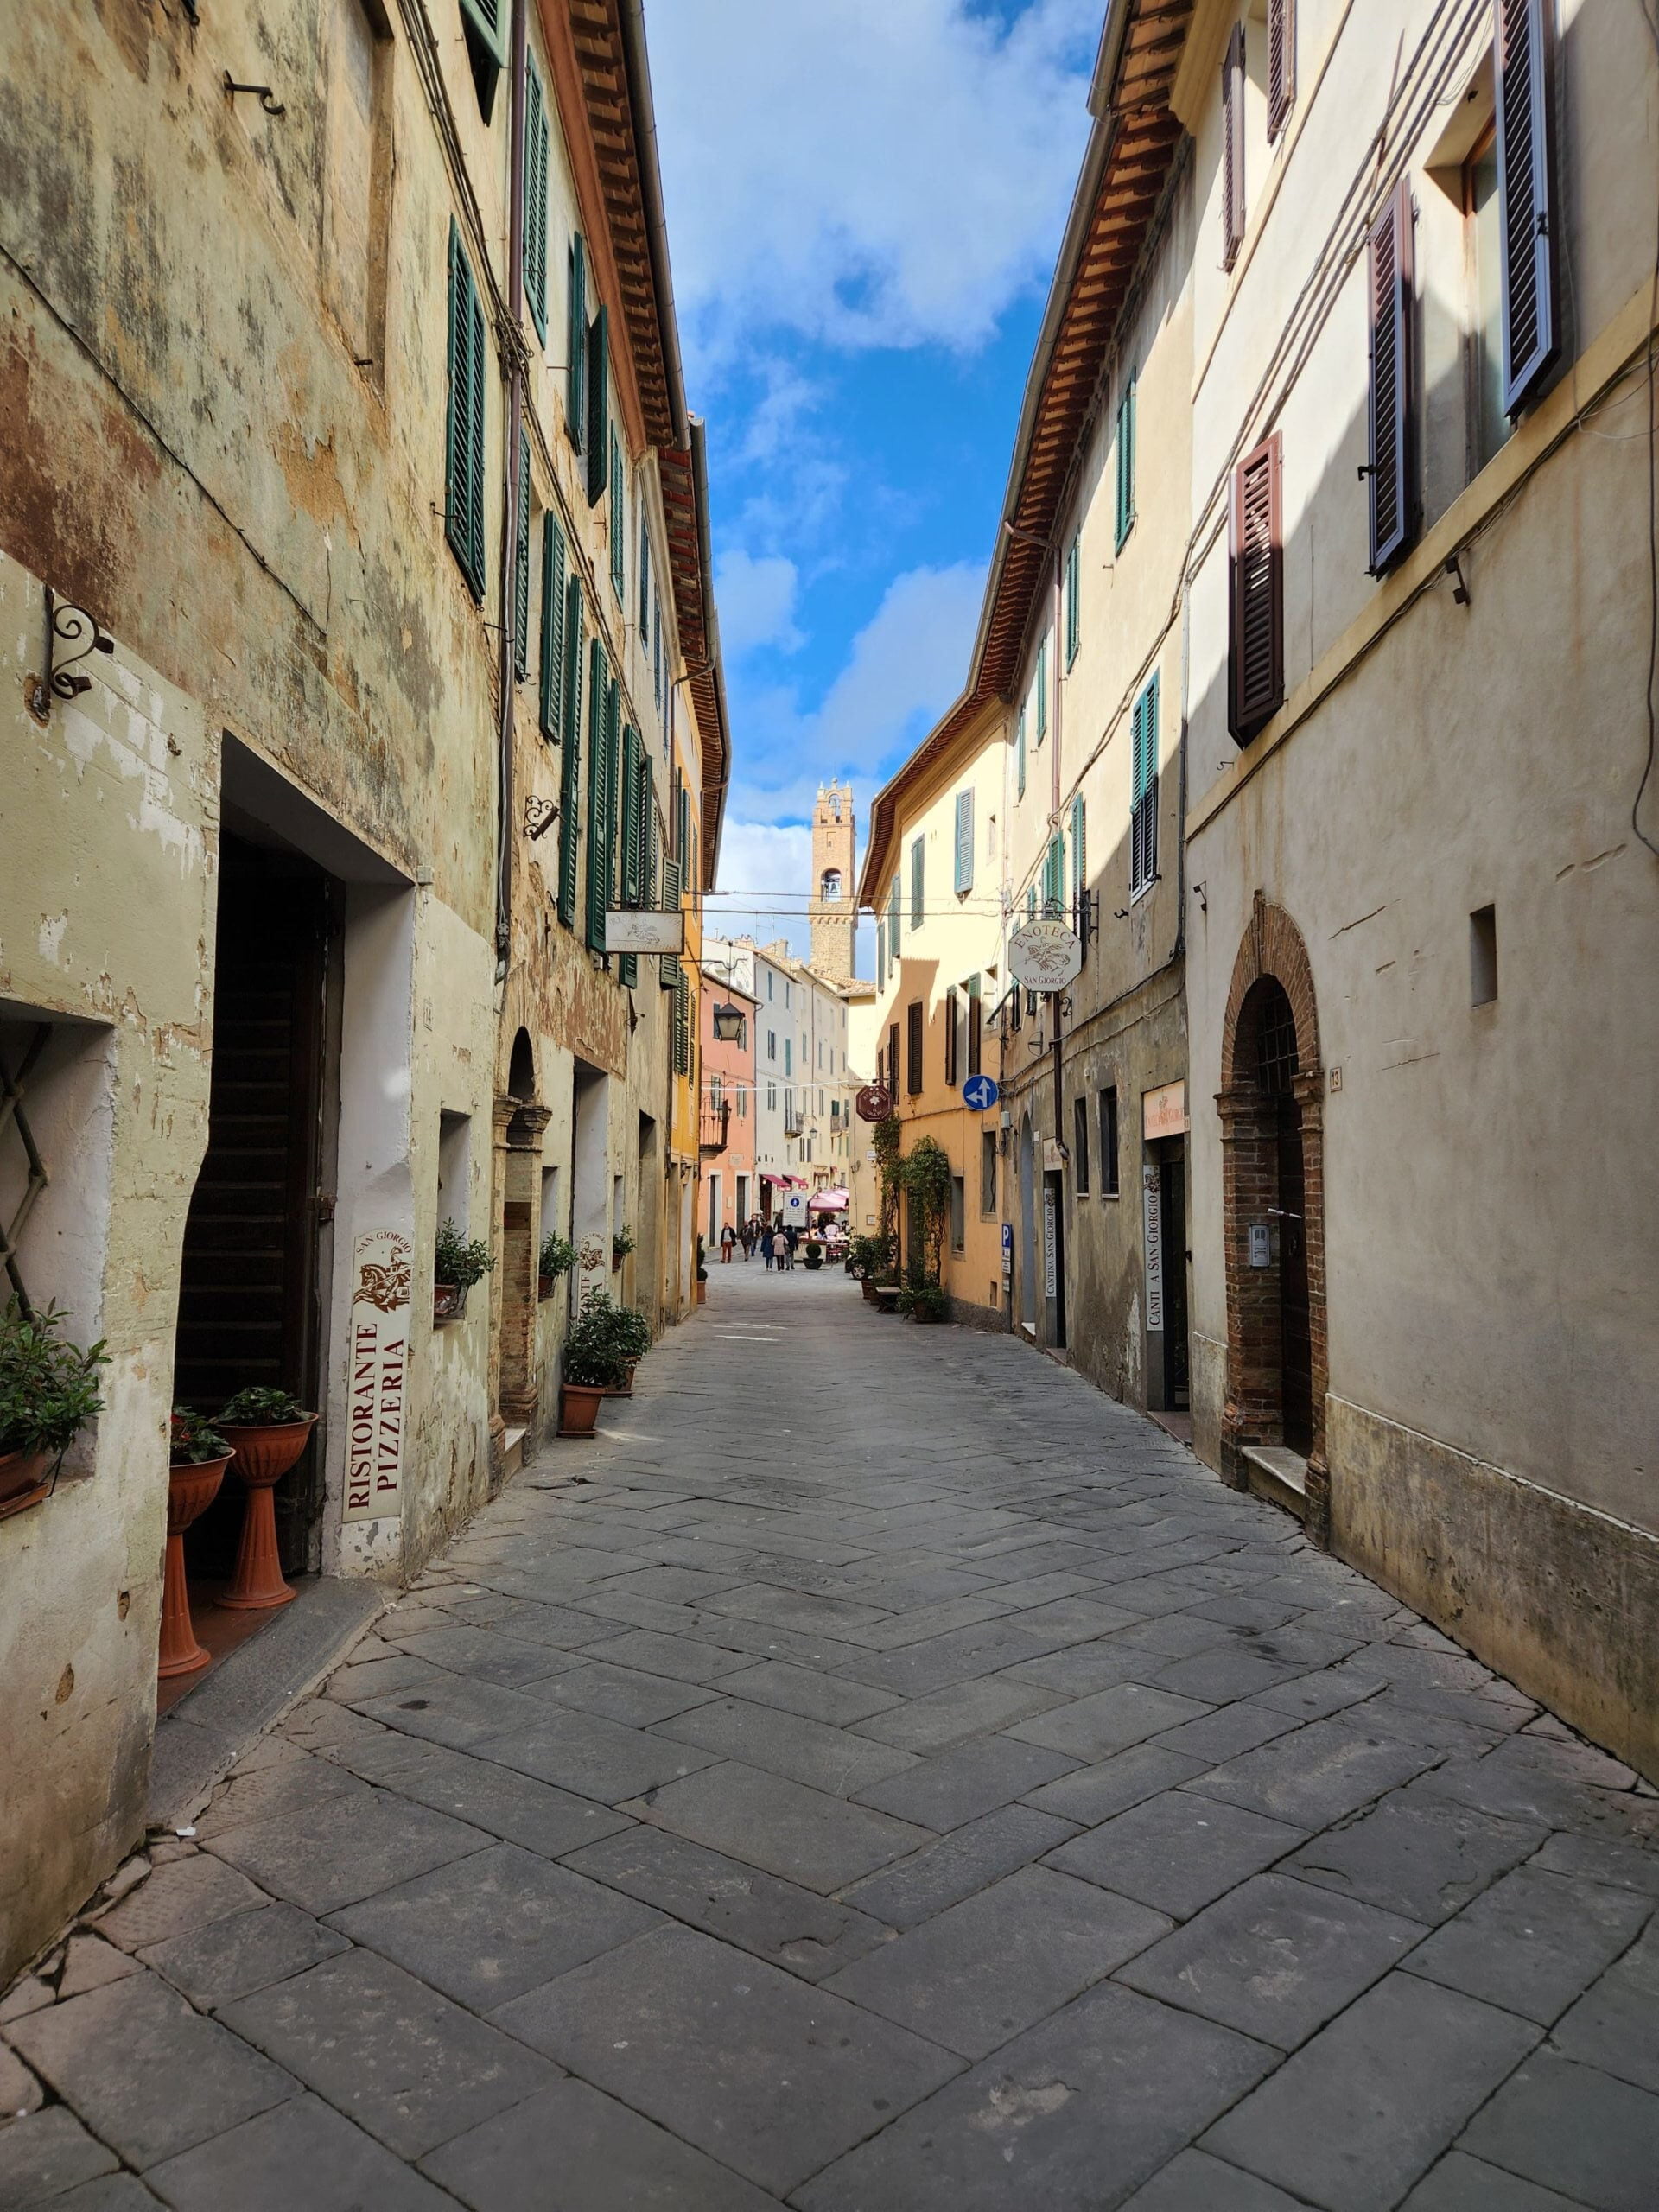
(1271, 1107)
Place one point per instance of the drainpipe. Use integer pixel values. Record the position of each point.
(516, 492)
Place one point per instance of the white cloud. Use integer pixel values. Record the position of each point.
(756, 599)
(766, 870)
(906, 665)
(860, 172)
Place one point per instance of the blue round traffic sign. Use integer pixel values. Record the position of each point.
(979, 1092)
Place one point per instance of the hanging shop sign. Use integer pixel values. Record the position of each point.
(1163, 1112)
(1045, 955)
(1051, 1244)
(1152, 1199)
(379, 1373)
(645, 928)
(872, 1103)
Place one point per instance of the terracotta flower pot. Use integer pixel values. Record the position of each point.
(624, 1389)
(264, 1452)
(702, 1294)
(448, 1300)
(191, 1489)
(868, 1289)
(545, 1286)
(579, 1404)
(21, 1480)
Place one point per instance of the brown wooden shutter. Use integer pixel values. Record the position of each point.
(1256, 657)
(950, 1041)
(1390, 409)
(1281, 64)
(1526, 197)
(914, 1047)
(1232, 147)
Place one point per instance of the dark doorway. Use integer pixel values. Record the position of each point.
(1053, 1258)
(1276, 1068)
(247, 1291)
(1171, 1193)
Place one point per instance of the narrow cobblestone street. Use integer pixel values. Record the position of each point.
(891, 1777)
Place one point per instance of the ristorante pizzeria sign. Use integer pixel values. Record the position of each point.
(379, 1374)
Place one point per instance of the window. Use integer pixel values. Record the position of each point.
(988, 1171)
(645, 564)
(958, 1213)
(964, 875)
(570, 766)
(356, 208)
(1053, 878)
(484, 23)
(1073, 594)
(913, 1034)
(576, 342)
(1080, 1146)
(1079, 875)
(595, 380)
(463, 501)
(619, 532)
(521, 568)
(1109, 1141)
(536, 152)
(881, 957)
(893, 923)
(789, 1056)
(658, 651)
(1391, 470)
(1143, 811)
(769, 980)
(1041, 685)
(829, 884)
(1255, 662)
(1488, 424)
(772, 1040)
(893, 1061)
(1019, 765)
(1126, 409)
(772, 1097)
(1526, 220)
(1482, 956)
(552, 654)
(1281, 64)
(976, 1026)
(918, 855)
(1232, 147)
(951, 1047)
(603, 734)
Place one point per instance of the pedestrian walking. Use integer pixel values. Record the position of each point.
(727, 1238)
(779, 1251)
(768, 1248)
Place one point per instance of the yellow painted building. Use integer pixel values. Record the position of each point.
(933, 879)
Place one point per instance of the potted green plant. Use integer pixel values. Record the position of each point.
(632, 1334)
(267, 1430)
(456, 1266)
(592, 1367)
(621, 1245)
(49, 1392)
(197, 1458)
(812, 1254)
(924, 1301)
(558, 1256)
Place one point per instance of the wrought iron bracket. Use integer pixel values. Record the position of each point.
(265, 94)
(72, 626)
(540, 815)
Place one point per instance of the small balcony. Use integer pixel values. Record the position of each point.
(713, 1128)
(794, 1122)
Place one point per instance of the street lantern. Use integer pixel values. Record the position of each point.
(728, 1023)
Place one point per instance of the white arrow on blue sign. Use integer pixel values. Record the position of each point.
(979, 1092)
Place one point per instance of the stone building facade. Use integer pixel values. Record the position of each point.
(401, 669)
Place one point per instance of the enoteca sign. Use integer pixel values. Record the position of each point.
(379, 1376)
(1045, 955)
(645, 928)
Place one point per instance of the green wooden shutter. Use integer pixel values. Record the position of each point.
(575, 343)
(1143, 820)
(521, 568)
(1053, 877)
(892, 923)
(599, 405)
(535, 150)
(1073, 596)
(619, 520)
(668, 964)
(1042, 691)
(601, 786)
(552, 663)
(1126, 461)
(570, 773)
(1031, 903)
(645, 575)
(629, 961)
(463, 502)
(964, 875)
(484, 25)
(1079, 873)
(1019, 788)
(918, 909)
(681, 1023)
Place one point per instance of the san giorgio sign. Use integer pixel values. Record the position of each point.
(1045, 955)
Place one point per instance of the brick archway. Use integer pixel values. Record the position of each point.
(1251, 1106)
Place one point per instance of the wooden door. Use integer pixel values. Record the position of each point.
(1296, 1341)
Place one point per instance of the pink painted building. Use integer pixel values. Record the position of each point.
(727, 1112)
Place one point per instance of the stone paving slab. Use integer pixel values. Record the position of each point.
(986, 1811)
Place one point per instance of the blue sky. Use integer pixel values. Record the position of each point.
(865, 198)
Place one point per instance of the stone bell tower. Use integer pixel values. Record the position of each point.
(833, 917)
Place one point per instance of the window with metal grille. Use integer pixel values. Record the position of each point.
(1389, 411)
(1109, 1140)
(1143, 807)
(1281, 64)
(1275, 1040)
(914, 1032)
(1080, 1146)
(1256, 660)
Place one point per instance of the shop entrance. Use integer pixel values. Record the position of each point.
(248, 1303)
(1167, 1380)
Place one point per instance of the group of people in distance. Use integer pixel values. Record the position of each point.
(776, 1241)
